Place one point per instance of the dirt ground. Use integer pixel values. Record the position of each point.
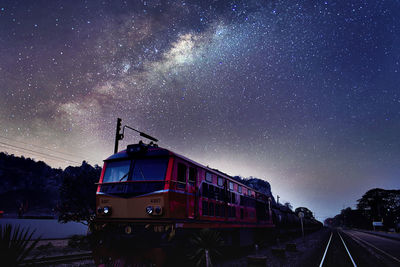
(278, 254)
(61, 247)
(300, 252)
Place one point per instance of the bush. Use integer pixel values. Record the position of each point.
(206, 241)
(15, 244)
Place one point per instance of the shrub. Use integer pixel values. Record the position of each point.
(206, 241)
(15, 244)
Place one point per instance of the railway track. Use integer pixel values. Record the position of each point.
(354, 248)
(58, 259)
(337, 252)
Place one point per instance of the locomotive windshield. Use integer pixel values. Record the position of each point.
(149, 169)
(116, 171)
(142, 170)
(147, 173)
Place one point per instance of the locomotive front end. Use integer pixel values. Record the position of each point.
(132, 194)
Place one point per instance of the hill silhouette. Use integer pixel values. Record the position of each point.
(29, 187)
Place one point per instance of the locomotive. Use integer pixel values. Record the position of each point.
(150, 200)
(154, 197)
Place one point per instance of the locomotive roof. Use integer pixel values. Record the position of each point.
(155, 151)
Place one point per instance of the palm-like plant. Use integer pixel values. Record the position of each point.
(15, 244)
(205, 246)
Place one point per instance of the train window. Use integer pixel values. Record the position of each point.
(249, 192)
(231, 211)
(210, 191)
(204, 205)
(241, 214)
(205, 190)
(208, 177)
(239, 189)
(233, 199)
(231, 186)
(222, 195)
(116, 171)
(192, 175)
(217, 192)
(181, 178)
(220, 181)
(211, 209)
(149, 169)
(217, 207)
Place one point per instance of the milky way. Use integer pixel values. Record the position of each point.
(305, 95)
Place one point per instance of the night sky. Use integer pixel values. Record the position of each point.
(304, 94)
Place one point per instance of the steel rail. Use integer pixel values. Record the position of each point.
(326, 250)
(354, 264)
(57, 259)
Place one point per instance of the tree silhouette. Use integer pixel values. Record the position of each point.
(78, 194)
(375, 205)
(381, 205)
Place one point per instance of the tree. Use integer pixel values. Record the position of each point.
(307, 213)
(78, 194)
(375, 205)
(380, 204)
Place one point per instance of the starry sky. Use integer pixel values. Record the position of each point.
(303, 94)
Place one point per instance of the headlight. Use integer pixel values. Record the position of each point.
(157, 210)
(149, 210)
(128, 230)
(106, 210)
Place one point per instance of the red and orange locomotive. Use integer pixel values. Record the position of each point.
(152, 198)
(146, 188)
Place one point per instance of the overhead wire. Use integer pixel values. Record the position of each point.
(41, 147)
(36, 153)
(48, 156)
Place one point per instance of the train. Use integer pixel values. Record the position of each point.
(155, 198)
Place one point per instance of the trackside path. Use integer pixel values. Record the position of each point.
(385, 250)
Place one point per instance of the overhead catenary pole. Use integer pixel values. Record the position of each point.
(118, 136)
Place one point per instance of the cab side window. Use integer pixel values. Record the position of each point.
(181, 176)
(192, 175)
